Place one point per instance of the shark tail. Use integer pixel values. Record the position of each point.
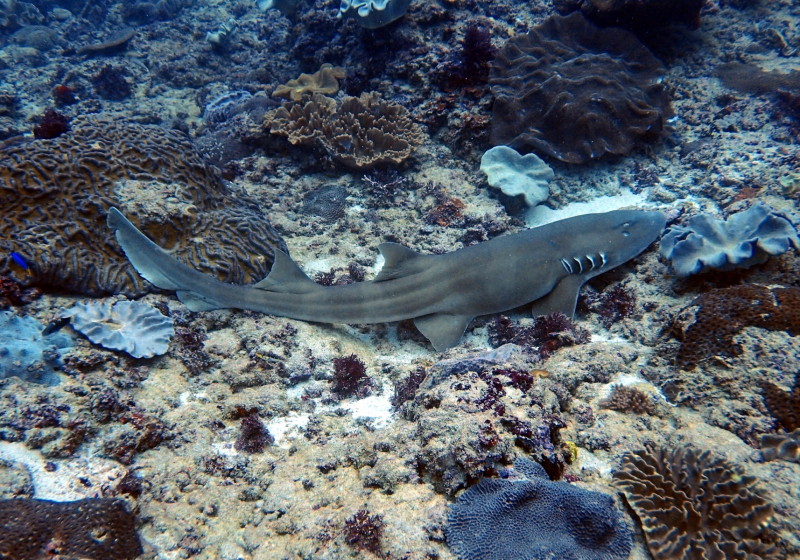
(159, 267)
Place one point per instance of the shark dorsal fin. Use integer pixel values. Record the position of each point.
(286, 277)
(399, 261)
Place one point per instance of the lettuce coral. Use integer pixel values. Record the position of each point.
(745, 239)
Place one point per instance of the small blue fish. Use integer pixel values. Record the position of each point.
(20, 261)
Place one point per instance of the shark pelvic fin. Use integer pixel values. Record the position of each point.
(286, 277)
(399, 261)
(563, 298)
(444, 331)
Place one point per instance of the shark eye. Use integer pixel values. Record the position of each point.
(626, 233)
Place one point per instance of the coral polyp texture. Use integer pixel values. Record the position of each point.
(54, 195)
(94, 529)
(695, 505)
(721, 314)
(529, 517)
(134, 327)
(576, 92)
(782, 405)
(358, 132)
(745, 239)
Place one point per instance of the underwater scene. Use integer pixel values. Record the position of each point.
(400, 279)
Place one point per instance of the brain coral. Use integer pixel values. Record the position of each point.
(54, 195)
(695, 505)
(721, 314)
(135, 327)
(532, 518)
(746, 238)
(577, 92)
(95, 529)
(360, 132)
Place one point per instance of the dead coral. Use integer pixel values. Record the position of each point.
(695, 505)
(723, 313)
(577, 92)
(54, 195)
(626, 398)
(783, 406)
(325, 80)
(359, 132)
(95, 529)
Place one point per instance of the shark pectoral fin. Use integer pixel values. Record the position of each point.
(399, 261)
(444, 331)
(562, 298)
(286, 277)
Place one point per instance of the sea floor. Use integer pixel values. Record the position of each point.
(171, 423)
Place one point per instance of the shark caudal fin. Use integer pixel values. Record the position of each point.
(159, 267)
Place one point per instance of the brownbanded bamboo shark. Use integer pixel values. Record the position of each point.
(546, 265)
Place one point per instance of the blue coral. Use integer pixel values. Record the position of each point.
(28, 354)
(528, 517)
(745, 239)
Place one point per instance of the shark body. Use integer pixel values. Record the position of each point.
(546, 265)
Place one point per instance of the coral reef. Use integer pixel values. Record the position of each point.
(359, 132)
(132, 326)
(517, 175)
(12, 294)
(695, 505)
(745, 239)
(612, 305)
(323, 81)
(531, 517)
(642, 17)
(468, 68)
(785, 447)
(327, 202)
(722, 313)
(28, 354)
(54, 195)
(627, 398)
(95, 529)
(576, 92)
(782, 405)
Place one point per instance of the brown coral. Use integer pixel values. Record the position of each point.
(721, 314)
(783, 406)
(54, 195)
(695, 505)
(325, 80)
(626, 398)
(359, 132)
(96, 529)
(577, 92)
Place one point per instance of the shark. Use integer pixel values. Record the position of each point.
(545, 266)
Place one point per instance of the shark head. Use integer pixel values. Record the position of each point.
(612, 238)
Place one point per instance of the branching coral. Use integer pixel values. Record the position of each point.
(695, 505)
(359, 132)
